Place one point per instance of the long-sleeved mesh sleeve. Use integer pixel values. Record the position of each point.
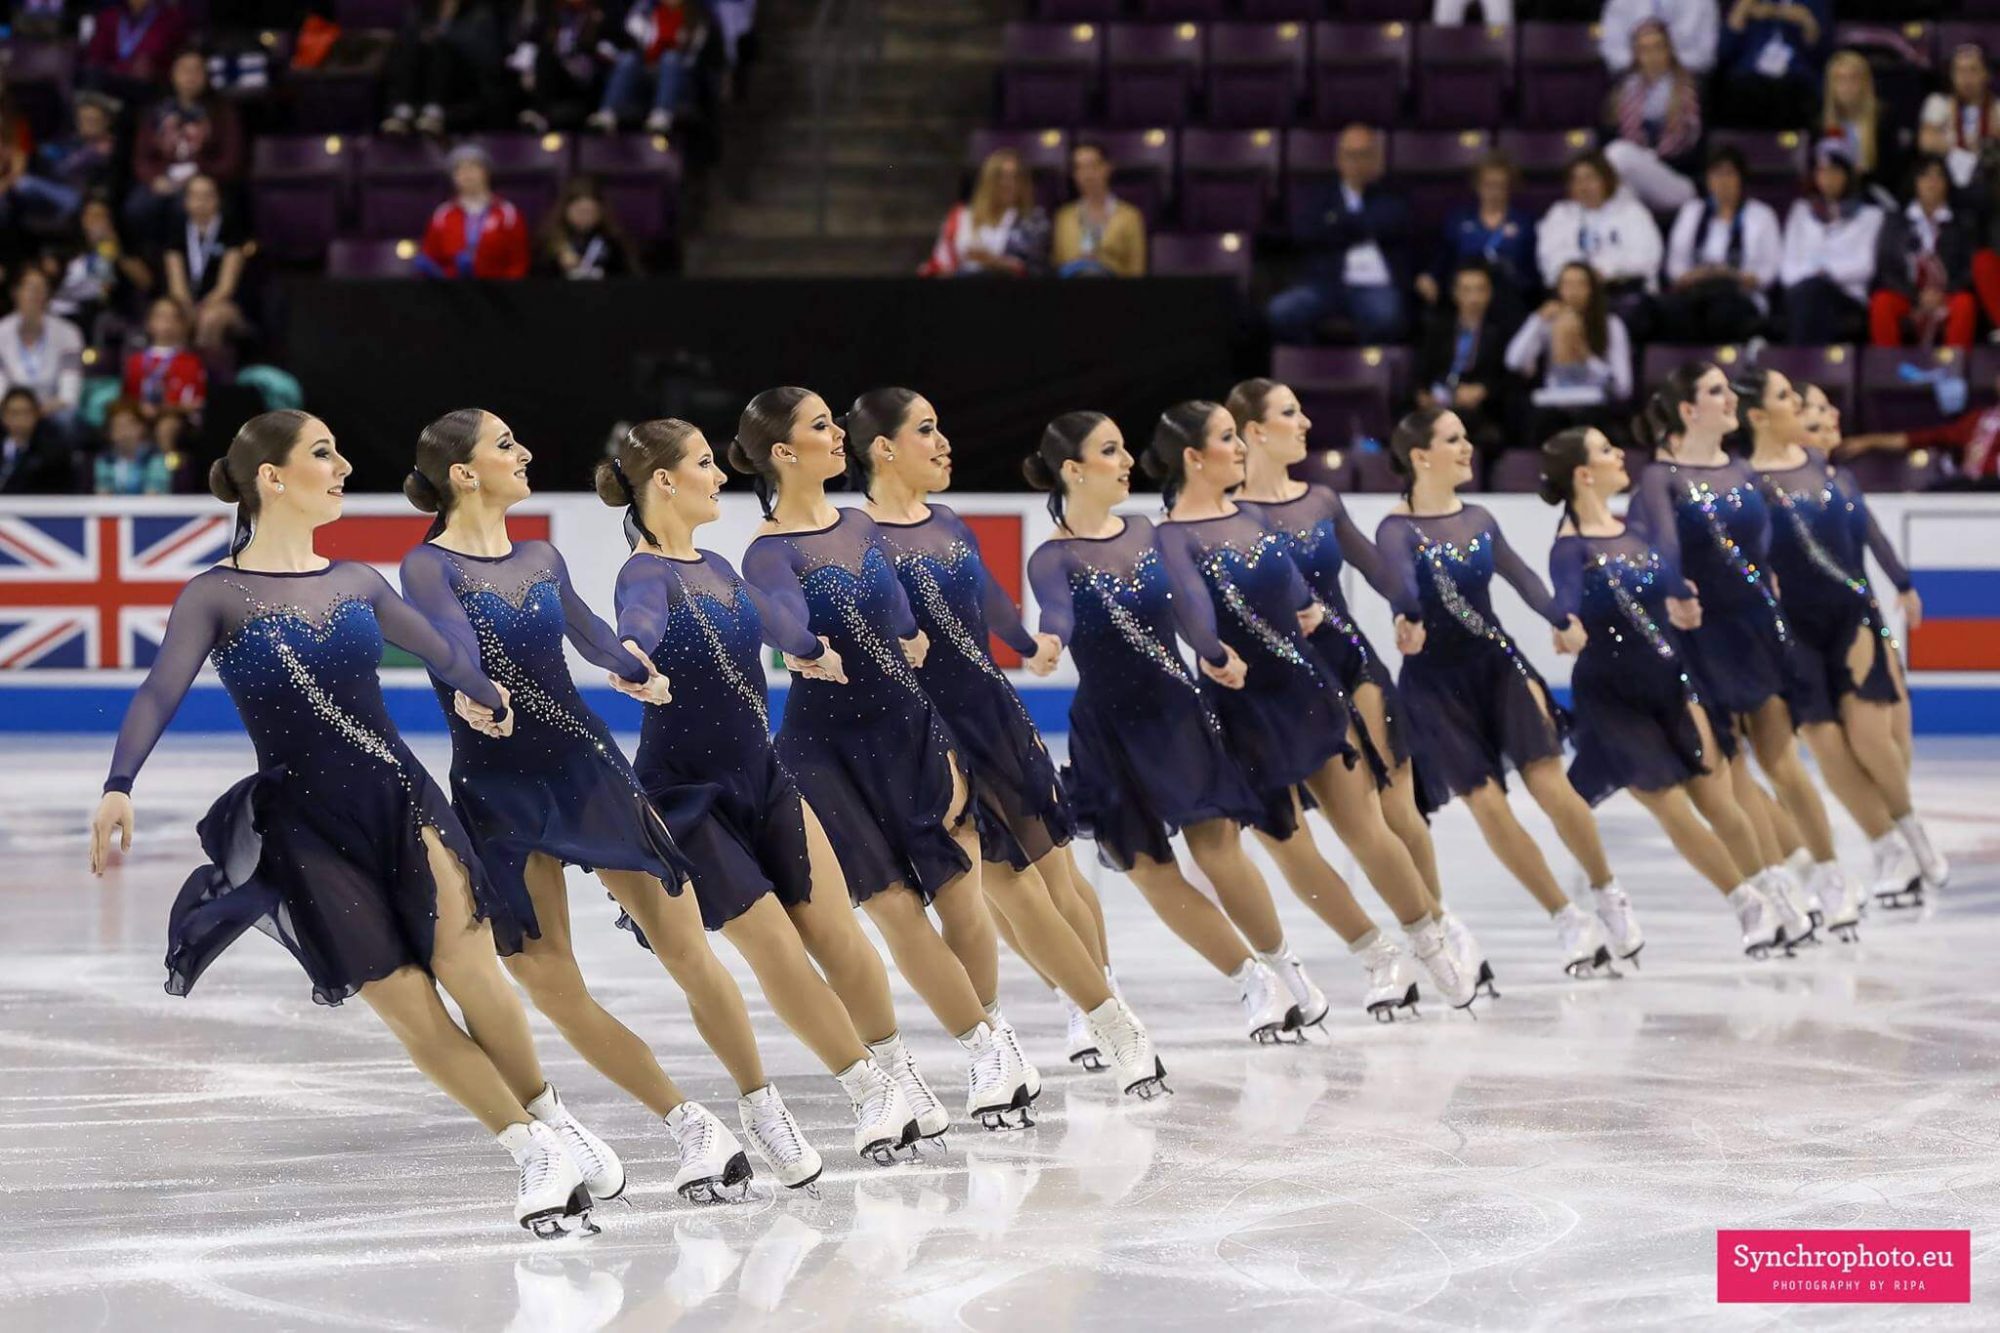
(1566, 574)
(1396, 541)
(1002, 616)
(1879, 544)
(1510, 566)
(1048, 576)
(1360, 552)
(589, 634)
(1652, 517)
(774, 588)
(902, 616)
(644, 600)
(192, 629)
(1194, 607)
(427, 585)
(412, 631)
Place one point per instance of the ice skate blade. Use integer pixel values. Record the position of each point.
(1273, 1034)
(882, 1152)
(1090, 1058)
(1847, 932)
(910, 1135)
(1485, 981)
(1901, 900)
(996, 1121)
(1761, 952)
(1583, 968)
(572, 1219)
(1632, 958)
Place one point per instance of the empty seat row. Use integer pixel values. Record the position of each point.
(1921, 36)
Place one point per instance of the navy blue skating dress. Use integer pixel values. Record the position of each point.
(1714, 528)
(1474, 704)
(873, 756)
(706, 758)
(1147, 756)
(1020, 810)
(559, 785)
(1324, 538)
(1235, 577)
(1631, 697)
(322, 848)
(1821, 535)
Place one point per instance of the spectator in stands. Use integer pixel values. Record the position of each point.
(191, 131)
(1829, 258)
(1690, 23)
(1453, 13)
(66, 170)
(17, 148)
(1961, 124)
(582, 239)
(446, 69)
(1601, 224)
(40, 351)
(101, 280)
(663, 37)
(475, 234)
(1655, 119)
(1462, 365)
(1923, 268)
(1357, 235)
(1097, 234)
(1768, 64)
(734, 19)
(1001, 230)
(165, 374)
(33, 460)
(568, 55)
(1851, 112)
(131, 464)
(204, 266)
(131, 47)
(1493, 230)
(1577, 354)
(1973, 436)
(1722, 260)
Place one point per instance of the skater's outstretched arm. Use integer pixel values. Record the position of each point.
(1397, 543)
(412, 631)
(1369, 561)
(1566, 559)
(1511, 567)
(644, 600)
(1194, 607)
(588, 634)
(428, 585)
(1002, 616)
(1879, 544)
(193, 626)
(1048, 576)
(1653, 517)
(770, 572)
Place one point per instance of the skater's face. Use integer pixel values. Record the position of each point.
(1449, 457)
(1220, 460)
(1779, 416)
(920, 455)
(1603, 470)
(1102, 469)
(1281, 435)
(313, 477)
(817, 447)
(1713, 410)
(692, 488)
(497, 472)
(1820, 418)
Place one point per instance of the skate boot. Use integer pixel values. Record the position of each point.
(1082, 1043)
(1390, 986)
(1471, 958)
(990, 1087)
(1621, 925)
(1759, 920)
(1582, 942)
(1267, 1009)
(711, 1159)
(1433, 950)
(883, 1121)
(778, 1139)
(1788, 900)
(931, 1116)
(1936, 870)
(549, 1200)
(1808, 889)
(1311, 1001)
(1137, 1068)
(603, 1173)
(1898, 880)
(1842, 897)
(1028, 1078)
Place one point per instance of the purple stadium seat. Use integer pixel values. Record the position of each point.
(370, 13)
(1463, 75)
(1256, 72)
(1374, 474)
(1182, 9)
(528, 169)
(402, 181)
(1984, 35)
(1185, 253)
(1287, 9)
(1386, 11)
(1348, 392)
(641, 176)
(1328, 467)
(1563, 80)
(1080, 10)
(1433, 169)
(1543, 156)
(1142, 166)
(1050, 73)
(1776, 162)
(333, 101)
(1228, 178)
(1911, 42)
(1359, 71)
(1516, 472)
(39, 77)
(351, 257)
(1151, 72)
(298, 190)
(1888, 401)
(1045, 153)
(1311, 156)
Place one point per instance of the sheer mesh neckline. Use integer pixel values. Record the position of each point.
(929, 515)
(840, 518)
(330, 566)
(512, 551)
(1124, 526)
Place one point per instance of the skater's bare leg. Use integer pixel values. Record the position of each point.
(1514, 848)
(1778, 756)
(1846, 779)
(1086, 895)
(1549, 784)
(1399, 798)
(1870, 730)
(407, 1002)
(1051, 944)
(799, 996)
(1757, 807)
(1695, 841)
(1347, 797)
(925, 960)
(1000, 923)
(1067, 891)
(1314, 880)
(1187, 912)
(463, 962)
(833, 936)
(963, 919)
(1713, 795)
(1217, 847)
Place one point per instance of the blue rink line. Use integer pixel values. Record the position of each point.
(1939, 710)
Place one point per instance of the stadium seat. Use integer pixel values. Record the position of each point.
(1359, 72)
(1289, 9)
(1050, 73)
(1985, 35)
(1543, 157)
(1256, 73)
(1385, 11)
(1433, 169)
(1044, 152)
(1181, 254)
(299, 189)
(1563, 80)
(1080, 10)
(370, 13)
(1228, 179)
(1463, 75)
(1142, 167)
(356, 257)
(1349, 393)
(1311, 157)
(1151, 72)
(641, 176)
(528, 169)
(1515, 472)
(1375, 474)
(38, 78)
(1913, 42)
(1774, 161)
(1889, 401)
(1200, 10)
(402, 181)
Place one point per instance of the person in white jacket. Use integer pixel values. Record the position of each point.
(1722, 260)
(1604, 225)
(1692, 23)
(1576, 353)
(1829, 255)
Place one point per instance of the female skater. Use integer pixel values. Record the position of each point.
(1705, 512)
(341, 847)
(567, 795)
(1638, 723)
(1147, 757)
(1290, 725)
(898, 455)
(1821, 535)
(1473, 702)
(873, 756)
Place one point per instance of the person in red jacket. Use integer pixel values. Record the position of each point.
(477, 234)
(131, 46)
(1974, 436)
(165, 374)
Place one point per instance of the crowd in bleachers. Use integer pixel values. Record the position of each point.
(161, 159)
(1519, 215)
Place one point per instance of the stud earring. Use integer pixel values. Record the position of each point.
(888, 456)
(280, 485)
(670, 490)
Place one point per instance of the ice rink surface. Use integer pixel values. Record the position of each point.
(243, 1159)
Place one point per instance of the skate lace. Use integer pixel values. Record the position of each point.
(579, 1145)
(874, 1106)
(915, 1091)
(699, 1136)
(989, 1068)
(779, 1134)
(1380, 964)
(536, 1168)
(1258, 993)
(1124, 1039)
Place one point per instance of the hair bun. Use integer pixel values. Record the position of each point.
(419, 491)
(739, 458)
(1035, 470)
(609, 487)
(1550, 492)
(220, 484)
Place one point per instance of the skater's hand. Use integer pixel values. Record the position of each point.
(1913, 610)
(1571, 638)
(481, 717)
(826, 666)
(114, 815)
(1312, 617)
(652, 690)
(1409, 636)
(1684, 613)
(916, 648)
(1230, 674)
(1048, 652)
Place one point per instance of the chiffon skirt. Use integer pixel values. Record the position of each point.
(744, 831)
(1632, 727)
(1473, 715)
(1822, 635)
(1019, 806)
